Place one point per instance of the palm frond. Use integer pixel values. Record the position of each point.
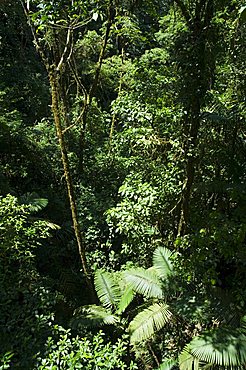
(34, 201)
(187, 361)
(126, 299)
(168, 364)
(222, 309)
(145, 282)
(222, 347)
(107, 289)
(162, 262)
(93, 316)
(150, 320)
(243, 324)
(52, 226)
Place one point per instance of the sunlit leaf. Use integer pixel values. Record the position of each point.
(149, 321)
(144, 282)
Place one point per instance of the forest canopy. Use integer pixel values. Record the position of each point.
(122, 184)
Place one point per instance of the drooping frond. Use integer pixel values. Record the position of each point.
(107, 289)
(162, 262)
(226, 348)
(167, 364)
(144, 282)
(126, 299)
(149, 321)
(93, 316)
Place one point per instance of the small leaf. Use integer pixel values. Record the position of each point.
(95, 16)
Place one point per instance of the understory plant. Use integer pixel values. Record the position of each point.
(89, 352)
(159, 304)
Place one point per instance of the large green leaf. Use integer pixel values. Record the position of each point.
(144, 282)
(162, 262)
(93, 316)
(149, 321)
(225, 348)
(108, 290)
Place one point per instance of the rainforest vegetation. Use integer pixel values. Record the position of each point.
(122, 184)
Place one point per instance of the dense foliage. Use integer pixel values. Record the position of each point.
(122, 184)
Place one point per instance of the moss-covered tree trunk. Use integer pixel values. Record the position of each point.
(53, 78)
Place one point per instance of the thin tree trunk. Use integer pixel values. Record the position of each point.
(53, 78)
(112, 127)
(54, 71)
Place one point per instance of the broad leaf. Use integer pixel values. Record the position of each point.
(108, 290)
(149, 321)
(162, 262)
(144, 282)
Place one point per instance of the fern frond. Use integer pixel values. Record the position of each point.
(144, 282)
(107, 289)
(150, 320)
(162, 262)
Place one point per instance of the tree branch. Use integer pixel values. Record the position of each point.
(66, 50)
(102, 52)
(186, 14)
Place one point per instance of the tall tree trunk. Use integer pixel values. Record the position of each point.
(53, 78)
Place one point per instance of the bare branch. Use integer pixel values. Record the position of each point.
(35, 38)
(66, 50)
